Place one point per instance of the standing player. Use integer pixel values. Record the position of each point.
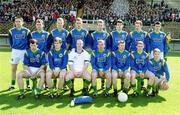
(119, 34)
(57, 59)
(34, 62)
(101, 63)
(79, 60)
(18, 38)
(40, 35)
(79, 33)
(160, 72)
(139, 66)
(116, 36)
(135, 36)
(59, 32)
(120, 67)
(157, 39)
(100, 34)
(138, 35)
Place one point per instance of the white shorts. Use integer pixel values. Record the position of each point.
(17, 55)
(33, 70)
(159, 79)
(161, 55)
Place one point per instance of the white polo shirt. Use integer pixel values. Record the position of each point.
(78, 59)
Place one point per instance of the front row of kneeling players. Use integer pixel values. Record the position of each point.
(105, 64)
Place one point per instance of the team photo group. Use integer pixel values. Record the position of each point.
(52, 60)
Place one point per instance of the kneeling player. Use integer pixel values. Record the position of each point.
(101, 63)
(34, 62)
(139, 65)
(78, 61)
(120, 66)
(160, 72)
(57, 59)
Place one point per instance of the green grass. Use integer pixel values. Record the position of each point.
(167, 103)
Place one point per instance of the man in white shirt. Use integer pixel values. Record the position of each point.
(78, 62)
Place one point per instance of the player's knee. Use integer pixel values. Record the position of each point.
(108, 76)
(151, 81)
(69, 76)
(114, 75)
(62, 74)
(94, 75)
(87, 76)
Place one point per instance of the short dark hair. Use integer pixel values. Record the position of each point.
(57, 39)
(39, 20)
(157, 23)
(33, 41)
(120, 21)
(18, 17)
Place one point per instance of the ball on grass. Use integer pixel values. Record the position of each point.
(122, 97)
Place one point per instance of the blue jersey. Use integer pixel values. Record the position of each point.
(41, 37)
(116, 36)
(120, 60)
(19, 38)
(100, 36)
(137, 36)
(34, 59)
(158, 68)
(79, 34)
(101, 61)
(58, 59)
(61, 34)
(139, 62)
(158, 40)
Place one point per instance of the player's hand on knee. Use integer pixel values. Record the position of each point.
(55, 72)
(79, 73)
(141, 75)
(33, 76)
(101, 74)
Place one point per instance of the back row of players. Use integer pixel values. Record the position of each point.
(111, 57)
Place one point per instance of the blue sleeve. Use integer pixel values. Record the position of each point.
(50, 61)
(43, 59)
(145, 65)
(26, 59)
(88, 41)
(69, 40)
(65, 60)
(128, 43)
(127, 64)
(132, 64)
(92, 41)
(28, 39)
(166, 70)
(49, 42)
(147, 44)
(93, 62)
(10, 39)
(150, 67)
(114, 62)
(108, 63)
(111, 42)
(108, 43)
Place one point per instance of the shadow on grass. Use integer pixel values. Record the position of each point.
(8, 100)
